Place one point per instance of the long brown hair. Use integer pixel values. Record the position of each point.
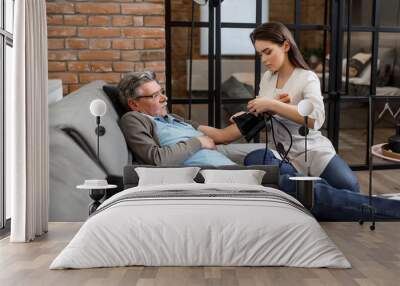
(278, 33)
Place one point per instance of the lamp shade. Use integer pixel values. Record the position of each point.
(305, 107)
(98, 107)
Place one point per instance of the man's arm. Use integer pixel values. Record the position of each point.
(221, 136)
(138, 132)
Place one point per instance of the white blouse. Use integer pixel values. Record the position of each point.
(302, 84)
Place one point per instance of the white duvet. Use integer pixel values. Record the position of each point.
(183, 231)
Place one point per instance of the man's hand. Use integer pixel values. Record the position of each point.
(235, 115)
(207, 142)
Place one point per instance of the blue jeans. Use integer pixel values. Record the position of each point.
(337, 196)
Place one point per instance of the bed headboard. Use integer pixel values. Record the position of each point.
(270, 179)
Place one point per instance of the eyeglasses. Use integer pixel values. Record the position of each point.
(154, 95)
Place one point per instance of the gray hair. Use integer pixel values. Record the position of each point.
(129, 84)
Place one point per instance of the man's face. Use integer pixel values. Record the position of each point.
(151, 101)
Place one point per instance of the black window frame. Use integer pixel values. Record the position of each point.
(341, 94)
(6, 39)
(335, 26)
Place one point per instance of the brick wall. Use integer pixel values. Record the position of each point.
(90, 40)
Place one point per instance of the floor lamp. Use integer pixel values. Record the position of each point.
(98, 108)
(305, 184)
(369, 208)
(97, 188)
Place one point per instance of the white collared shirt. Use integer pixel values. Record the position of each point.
(302, 84)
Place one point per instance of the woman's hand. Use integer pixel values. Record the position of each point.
(283, 97)
(261, 104)
(235, 115)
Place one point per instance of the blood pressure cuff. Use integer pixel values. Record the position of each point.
(249, 125)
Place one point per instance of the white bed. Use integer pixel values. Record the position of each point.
(203, 225)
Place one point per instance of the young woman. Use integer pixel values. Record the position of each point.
(286, 82)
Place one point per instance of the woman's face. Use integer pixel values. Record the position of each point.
(272, 55)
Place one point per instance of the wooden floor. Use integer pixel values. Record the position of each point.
(384, 181)
(374, 255)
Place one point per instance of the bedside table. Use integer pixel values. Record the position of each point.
(97, 190)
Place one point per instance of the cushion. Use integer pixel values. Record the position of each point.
(396, 75)
(113, 94)
(234, 89)
(246, 78)
(364, 78)
(358, 63)
(248, 177)
(319, 68)
(166, 176)
(384, 75)
(387, 56)
(270, 179)
(386, 67)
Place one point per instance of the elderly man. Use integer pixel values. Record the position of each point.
(159, 138)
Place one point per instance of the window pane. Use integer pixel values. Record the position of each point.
(390, 13)
(180, 43)
(1, 16)
(388, 65)
(229, 11)
(9, 13)
(235, 41)
(360, 56)
(353, 129)
(313, 11)
(281, 11)
(8, 70)
(361, 12)
(237, 82)
(311, 45)
(199, 112)
(385, 128)
(181, 10)
(353, 132)
(1, 136)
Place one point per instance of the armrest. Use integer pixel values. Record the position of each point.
(237, 152)
(69, 167)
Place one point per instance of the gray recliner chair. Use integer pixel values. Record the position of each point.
(73, 151)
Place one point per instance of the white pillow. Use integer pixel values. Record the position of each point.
(166, 176)
(248, 177)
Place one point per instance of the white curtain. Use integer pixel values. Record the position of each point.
(26, 124)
